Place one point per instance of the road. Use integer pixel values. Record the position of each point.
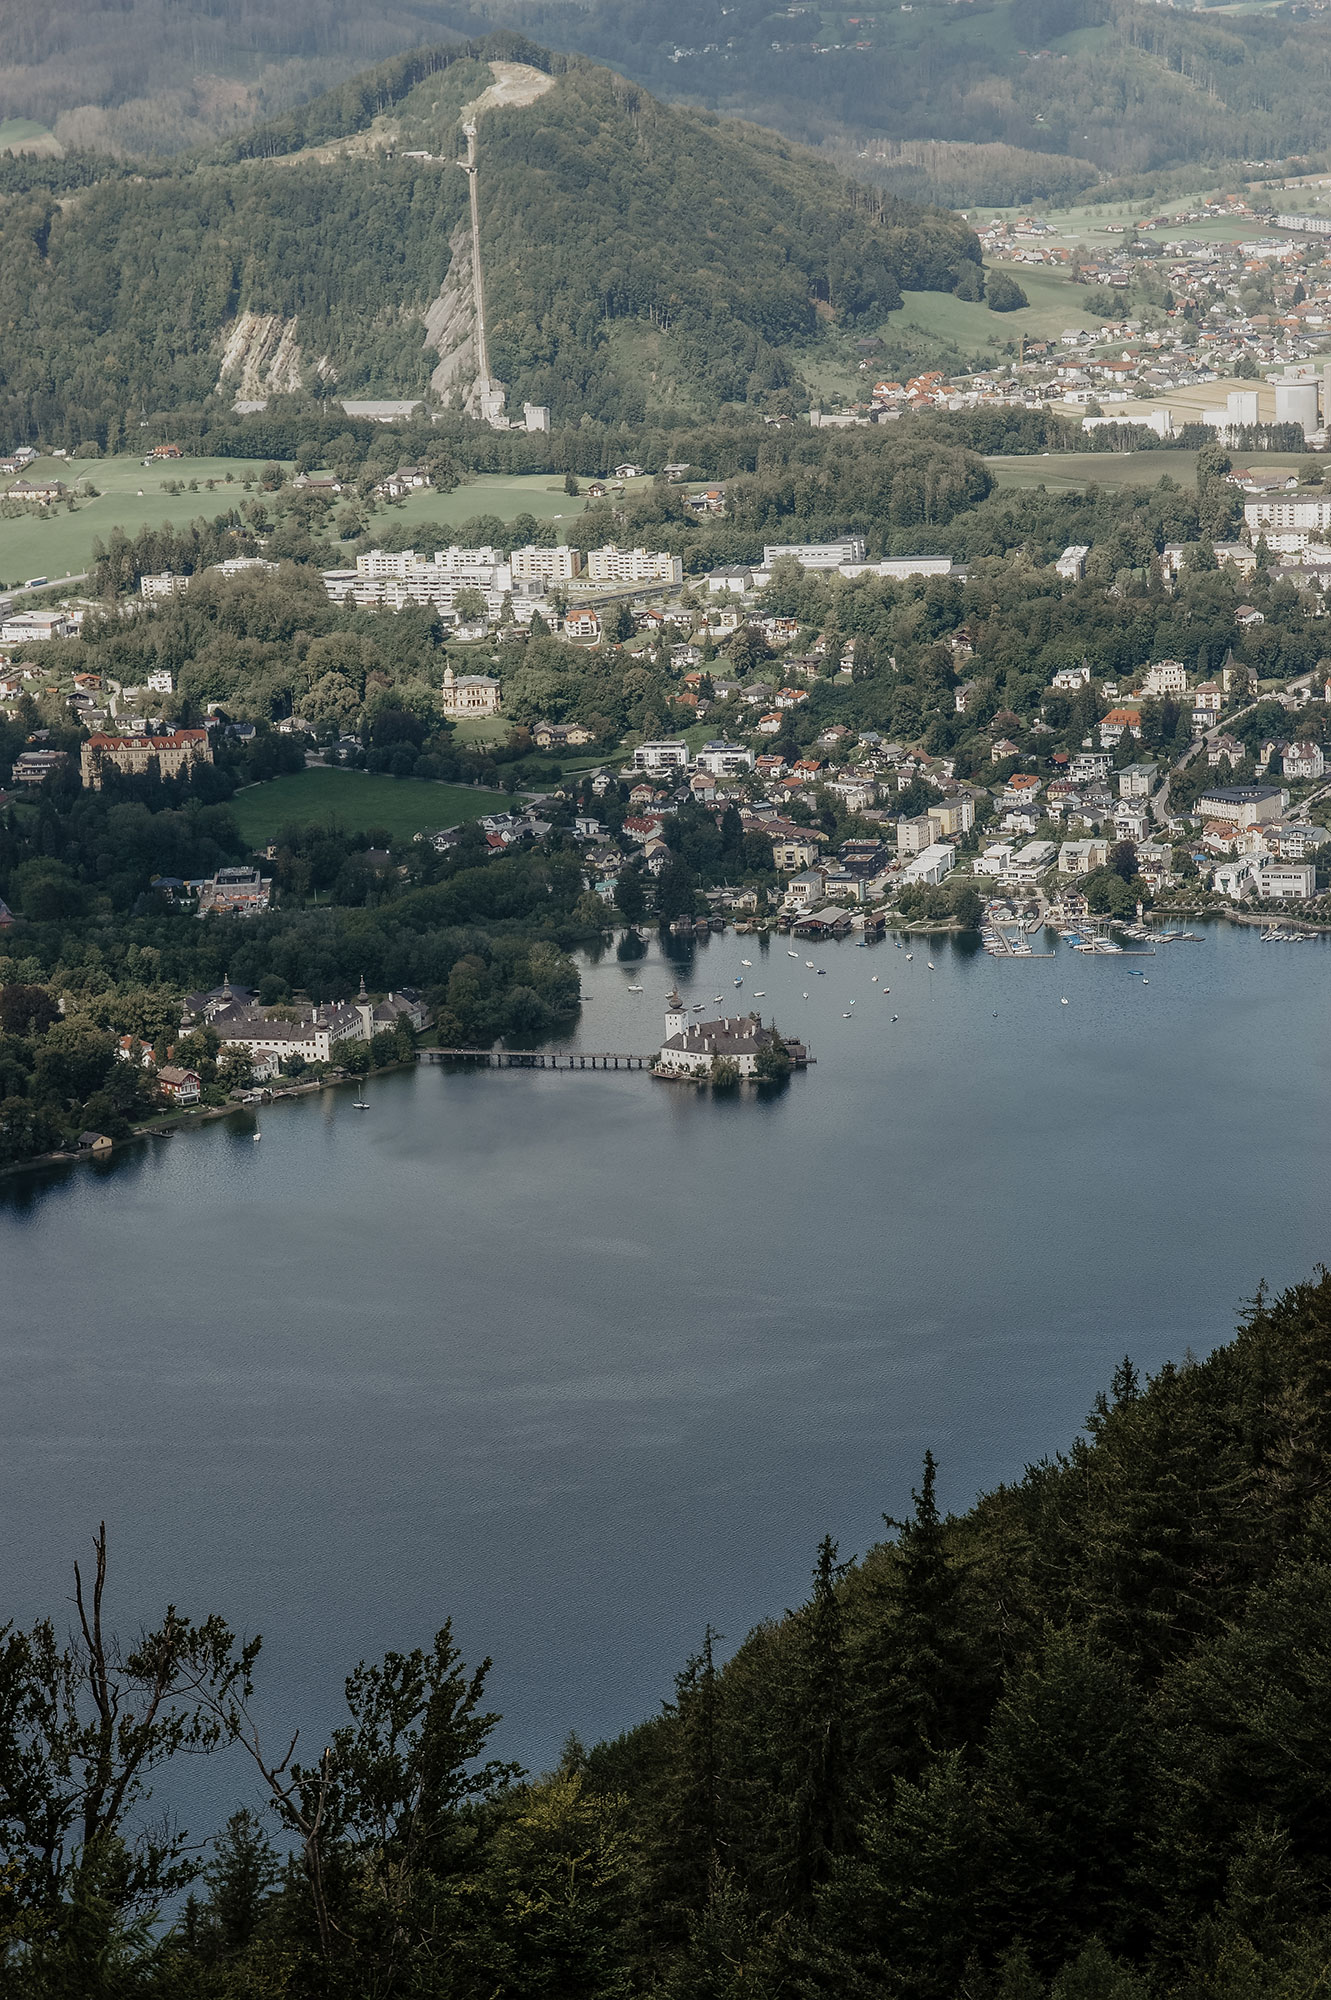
(55, 583)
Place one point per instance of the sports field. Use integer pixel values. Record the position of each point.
(358, 802)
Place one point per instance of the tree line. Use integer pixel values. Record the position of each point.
(1067, 1745)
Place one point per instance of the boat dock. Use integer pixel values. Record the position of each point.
(535, 1059)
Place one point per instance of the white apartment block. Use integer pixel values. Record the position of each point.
(545, 566)
(612, 565)
(1306, 511)
(666, 754)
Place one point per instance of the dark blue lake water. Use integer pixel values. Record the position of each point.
(588, 1361)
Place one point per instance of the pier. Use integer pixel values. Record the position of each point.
(535, 1059)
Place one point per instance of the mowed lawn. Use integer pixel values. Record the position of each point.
(129, 496)
(358, 802)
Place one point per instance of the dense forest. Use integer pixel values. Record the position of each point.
(607, 220)
(1029, 99)
(1068, 1745)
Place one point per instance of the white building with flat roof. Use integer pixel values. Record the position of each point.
(932, 863)
(817, 555)
(615, 565)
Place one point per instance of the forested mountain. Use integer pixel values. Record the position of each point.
(1129, 89)
(1072, 1743)
(1062, 88)
(636, 256)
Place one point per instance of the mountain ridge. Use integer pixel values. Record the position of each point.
(604, 217)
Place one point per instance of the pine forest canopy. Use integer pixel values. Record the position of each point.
(603, 213)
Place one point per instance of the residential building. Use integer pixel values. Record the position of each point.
(670, 753)
(235, 891)
(582, 624)
(1166, 677)
(1071, 565)
(1119, 722)
(167, 584)
(136, 755)
(469, 694)
(932, 863)
(1136, 781)
(180, 1086)
(1087, 764)
(952, 816)
(1281, 881)
(32, 767)
(1068, 679)
(1082, 857)
(531, 565)
(614, 565)
(1031, 861)
(806, 888)
(1303, 760)
(724, 760)
(561, 735)
(914, 835)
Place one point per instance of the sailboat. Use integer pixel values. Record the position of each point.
(360, 1104)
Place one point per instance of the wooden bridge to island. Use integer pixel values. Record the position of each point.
(536, 1058)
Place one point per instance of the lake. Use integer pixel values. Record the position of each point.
(588, 1361)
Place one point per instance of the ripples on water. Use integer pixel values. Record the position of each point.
(588, 1361)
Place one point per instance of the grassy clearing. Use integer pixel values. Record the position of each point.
(504, 494)
(973, 329)
(1072, 471)
(358, 802)
(25, 135)
(129, 496)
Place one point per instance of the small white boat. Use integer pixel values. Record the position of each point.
(256, 1137)
(762, 995)
(809, 963)
(698, 1006)
(635, 989)
(792, 954)
(746, 961)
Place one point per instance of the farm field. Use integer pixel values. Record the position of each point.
(129, 496)
(359, 802)
(1072, 471)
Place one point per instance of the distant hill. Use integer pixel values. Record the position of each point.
(1128, 89)
(1033, 99)
(636, 258)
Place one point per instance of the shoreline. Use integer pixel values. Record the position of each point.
(203, 1114)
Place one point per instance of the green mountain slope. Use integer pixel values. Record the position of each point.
(310, 254)
(1130, 89)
